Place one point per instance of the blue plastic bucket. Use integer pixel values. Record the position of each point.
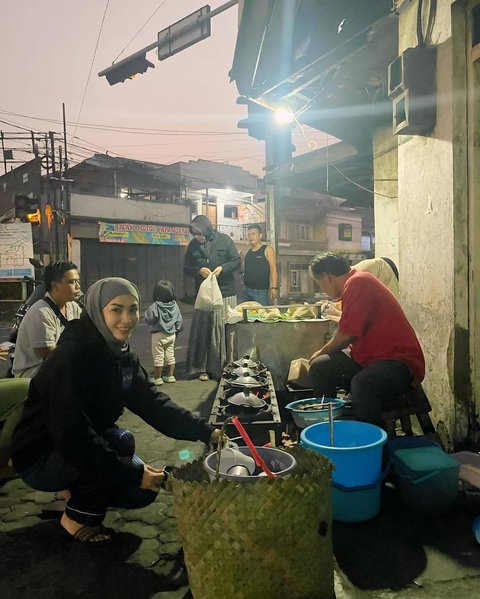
(357, 450)
(356, 504)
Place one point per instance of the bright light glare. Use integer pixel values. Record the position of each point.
(283, 116)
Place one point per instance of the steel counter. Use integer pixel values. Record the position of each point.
(276, 344)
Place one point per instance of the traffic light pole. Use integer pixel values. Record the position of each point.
(130, 60)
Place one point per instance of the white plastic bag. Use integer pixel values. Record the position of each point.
(209, 296)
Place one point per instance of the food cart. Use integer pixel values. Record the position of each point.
(276, 344)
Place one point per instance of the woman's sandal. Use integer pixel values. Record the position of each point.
(204, 377)
(87, 535)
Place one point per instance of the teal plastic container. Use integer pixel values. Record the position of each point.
(356, 452)
(356, 504)
(427, 477)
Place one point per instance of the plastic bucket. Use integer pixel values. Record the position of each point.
(356, 504)
(304, 418)
(356, 453)
(280, 462)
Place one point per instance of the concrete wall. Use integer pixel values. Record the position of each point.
(124, 209)
(429, 220)
(385, 172)
(336, 217)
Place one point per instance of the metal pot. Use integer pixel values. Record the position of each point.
(247, 399)
(247, 381)
(247, 362)
(241, 370)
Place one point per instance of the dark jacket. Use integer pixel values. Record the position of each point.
(82, 389)
(219, 250)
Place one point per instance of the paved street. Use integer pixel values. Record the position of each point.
(398, 554)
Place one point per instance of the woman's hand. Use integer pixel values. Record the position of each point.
(217, 271)
(205, 272)
(152, 478)
(217, 437)
(273, 293)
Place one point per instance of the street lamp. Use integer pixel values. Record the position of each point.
(283, 115)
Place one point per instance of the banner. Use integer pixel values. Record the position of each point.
(16, 247)
(143, 233)
(251, 213)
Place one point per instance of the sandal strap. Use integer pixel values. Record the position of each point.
(86, 533)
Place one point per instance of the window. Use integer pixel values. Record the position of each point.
(25, 178)
(299, 231)
(298, 277)
(345, 232)
(230, 212)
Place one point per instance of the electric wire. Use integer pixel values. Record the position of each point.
(126, 129)
(141, 28)
(375, 193)
(91, 67)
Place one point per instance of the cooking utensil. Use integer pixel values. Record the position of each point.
(330, 424)
(246, 361)
(230, 457)
(241, 370)
(247, 381)
(247, 399)
(253, 450)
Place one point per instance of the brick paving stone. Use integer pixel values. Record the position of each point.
(22, 510)
(148, 553)
(140, 529)
(39, 497)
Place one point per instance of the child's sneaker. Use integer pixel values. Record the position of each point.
(169, 379)
(158, 381)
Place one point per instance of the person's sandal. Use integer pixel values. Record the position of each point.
(87, 534)
(204, 377)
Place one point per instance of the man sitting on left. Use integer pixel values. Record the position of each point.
(44, 322)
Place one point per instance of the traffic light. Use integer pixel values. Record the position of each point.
(257, 120)
(126, 69)
(27, 209)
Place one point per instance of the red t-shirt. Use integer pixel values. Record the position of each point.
(373, 315)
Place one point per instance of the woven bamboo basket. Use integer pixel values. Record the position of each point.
(265, 539)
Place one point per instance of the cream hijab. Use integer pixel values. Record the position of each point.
(98, 296)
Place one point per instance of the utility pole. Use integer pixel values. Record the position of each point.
(68, 219)
(278, 151)
(3, 154)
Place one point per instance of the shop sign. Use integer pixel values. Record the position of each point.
(143, 233)
(345, 232)
(16, 247)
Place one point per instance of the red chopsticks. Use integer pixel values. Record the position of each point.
(256, 456)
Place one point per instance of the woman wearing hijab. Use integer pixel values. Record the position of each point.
(67, 438)
(210, 252)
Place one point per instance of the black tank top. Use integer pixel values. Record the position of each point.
(257, 269)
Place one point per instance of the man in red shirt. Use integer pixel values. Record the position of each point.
(385, 360)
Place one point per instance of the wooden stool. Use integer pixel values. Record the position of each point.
(413, 403)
